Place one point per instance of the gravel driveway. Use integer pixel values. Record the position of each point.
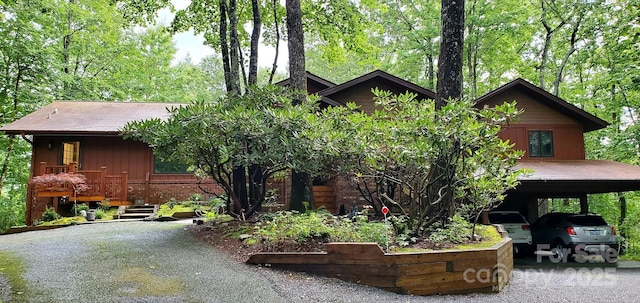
(161, 262)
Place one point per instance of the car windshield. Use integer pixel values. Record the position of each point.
(587, 220)
(499, 218)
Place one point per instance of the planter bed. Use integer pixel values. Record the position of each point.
(415, 273)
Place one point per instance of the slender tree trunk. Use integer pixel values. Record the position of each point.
(224, 47)
(301, 183)
(549, 32)
(572, 49)
(274, 67)
(12, 140)
(234, 47)
(255, 39)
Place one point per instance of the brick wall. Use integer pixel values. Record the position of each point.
(158, 192)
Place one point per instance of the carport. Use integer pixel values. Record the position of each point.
(569, 179)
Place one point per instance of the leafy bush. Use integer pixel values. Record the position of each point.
(11, 213)
(100, 214)
(298, 227)
(78, 207)
(196, 197)
(172, 203)
(104, 205)
(457, 231)
(50, 214)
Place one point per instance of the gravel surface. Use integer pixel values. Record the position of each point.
(162, 262)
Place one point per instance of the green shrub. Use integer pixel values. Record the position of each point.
(196, 197)
(457, 231)
(104, 205)
(12, 212)
(77, 207)
(100, 214)
(172, 203)
(50, 214)
(298, 227)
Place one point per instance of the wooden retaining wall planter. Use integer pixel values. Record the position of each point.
(423, 273)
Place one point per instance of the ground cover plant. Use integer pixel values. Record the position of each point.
(292, 231)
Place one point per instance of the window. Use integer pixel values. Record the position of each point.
(540, 143)
(169, 167)
(70, 152)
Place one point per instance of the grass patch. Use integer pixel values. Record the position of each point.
(65, 221)
(11, 266)
(140, 282)
(490, 237)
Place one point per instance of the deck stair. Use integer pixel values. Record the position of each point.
(138, 211)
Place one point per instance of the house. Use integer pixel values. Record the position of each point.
(336, 191)
(85, 137)
(68, 136)
(551, 132)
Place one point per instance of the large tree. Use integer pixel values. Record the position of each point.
(301, 183)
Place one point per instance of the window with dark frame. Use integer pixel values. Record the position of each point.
(169, 167)
(540, 143)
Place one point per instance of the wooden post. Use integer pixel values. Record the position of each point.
(30, 188)
(103, 181)
(584, 204)
(43, 168)
(147, 182)
(73, 166)
(55, 203)
(125, 186)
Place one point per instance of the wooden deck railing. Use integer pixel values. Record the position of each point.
(101, 186)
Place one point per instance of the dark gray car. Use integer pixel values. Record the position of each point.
(575, 235)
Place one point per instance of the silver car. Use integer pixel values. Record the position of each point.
(517, 227)
(569, 236)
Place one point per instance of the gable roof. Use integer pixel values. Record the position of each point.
(314, 79)
(79, 117)
(422, 92)
(588, 121)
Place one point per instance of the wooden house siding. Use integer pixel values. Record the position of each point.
(567, 140)
(362, 95)
(95, 152)
(534, 111)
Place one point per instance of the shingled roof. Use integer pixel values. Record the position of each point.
(589, 121)
(81, 117)
(568, 177)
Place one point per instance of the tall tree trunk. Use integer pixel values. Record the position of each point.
(234, 47)
(231, 64)
(449, 86)
(449, 83)
(301, 183)
(255, 40)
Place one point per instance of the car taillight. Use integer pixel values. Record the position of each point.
(570, 230)
(613, 231)
(525, 226)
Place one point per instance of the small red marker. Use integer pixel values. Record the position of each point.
(385, 210)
